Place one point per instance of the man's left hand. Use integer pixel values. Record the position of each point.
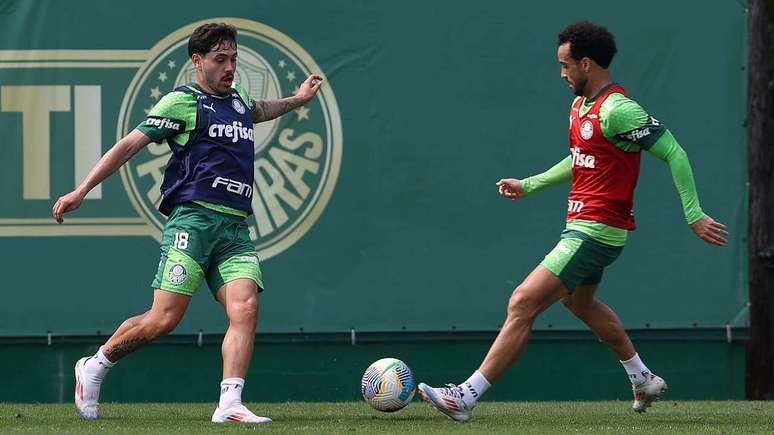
(309, 87)
(710, 231)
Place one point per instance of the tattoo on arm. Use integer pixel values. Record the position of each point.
(266, 110)
(120, 350)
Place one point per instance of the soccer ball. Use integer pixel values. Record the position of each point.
(388, 385)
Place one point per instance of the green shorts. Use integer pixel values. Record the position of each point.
(198, 244)
(579, 260)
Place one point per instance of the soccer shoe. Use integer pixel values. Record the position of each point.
(648, 392)
(448, 400)
(237, 413)
(86, 392)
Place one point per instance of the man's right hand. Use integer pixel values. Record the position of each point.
(66, 203)
(510, 188)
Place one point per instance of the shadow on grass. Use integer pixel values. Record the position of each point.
(357, 418)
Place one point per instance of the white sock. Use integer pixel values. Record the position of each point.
(474, 388)
(97, 366)
(636, 369)
(231, 392)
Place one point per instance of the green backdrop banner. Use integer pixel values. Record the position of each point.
(375, 205)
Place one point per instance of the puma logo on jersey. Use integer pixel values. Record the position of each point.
(580, 159)
(211, 106)
(234, 186)
(234, 131)
(170, 124)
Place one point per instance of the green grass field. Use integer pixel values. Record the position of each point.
(489, 417)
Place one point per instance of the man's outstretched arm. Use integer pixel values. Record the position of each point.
(266, 110)
(119, 154)
(513, 188)
(668, 150)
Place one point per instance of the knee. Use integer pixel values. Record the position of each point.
(522, 305)
(134, 322)
(244, 310)
(159, 325)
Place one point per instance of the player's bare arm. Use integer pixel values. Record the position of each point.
(119, 154)
(266, 110)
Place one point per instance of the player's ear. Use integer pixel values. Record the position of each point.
(585, 64)
(196, 59)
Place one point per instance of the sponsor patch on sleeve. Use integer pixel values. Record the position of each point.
(646, 135)
(170, 124)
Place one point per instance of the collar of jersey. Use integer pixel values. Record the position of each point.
(589, 102)
(196, 88)
(599, 94)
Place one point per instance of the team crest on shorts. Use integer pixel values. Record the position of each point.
(586, 129)
(177, 274)
(297, 156)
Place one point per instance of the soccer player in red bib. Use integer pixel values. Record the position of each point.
(608, 131)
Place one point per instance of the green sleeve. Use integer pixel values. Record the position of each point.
(668, 150)
(245, 96)
(626, 124)
(558, 173)
(174, 116)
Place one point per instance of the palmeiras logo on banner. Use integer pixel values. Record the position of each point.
(298, 155)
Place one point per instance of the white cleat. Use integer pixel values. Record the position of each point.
(237, 413)
(448, 400)
(86, 392)
(648, 392)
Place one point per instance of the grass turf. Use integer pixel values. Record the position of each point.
(489, 417)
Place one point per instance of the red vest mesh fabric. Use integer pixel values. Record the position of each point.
(603, 175)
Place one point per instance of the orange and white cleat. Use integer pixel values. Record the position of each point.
(237, 413)
(447, 400)
(648, 392)
(86, 392)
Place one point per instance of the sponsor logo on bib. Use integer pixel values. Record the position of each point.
(297, 156)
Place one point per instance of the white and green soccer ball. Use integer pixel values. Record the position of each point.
(388, 385)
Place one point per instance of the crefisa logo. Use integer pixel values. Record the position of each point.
(298, 155)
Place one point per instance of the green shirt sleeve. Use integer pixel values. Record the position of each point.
(629, 127)
(245, 96)
(668, 150)
(626, 124)
(174, 116)
(558, 173)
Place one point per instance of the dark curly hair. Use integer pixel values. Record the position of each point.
(210, 35)
(589, 40)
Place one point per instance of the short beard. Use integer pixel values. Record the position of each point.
(580, 87)
(213, 84)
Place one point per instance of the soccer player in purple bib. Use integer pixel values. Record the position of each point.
(206, 192)
(608, 131)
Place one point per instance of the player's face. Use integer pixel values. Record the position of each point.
(216, 68)
(571, 70)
